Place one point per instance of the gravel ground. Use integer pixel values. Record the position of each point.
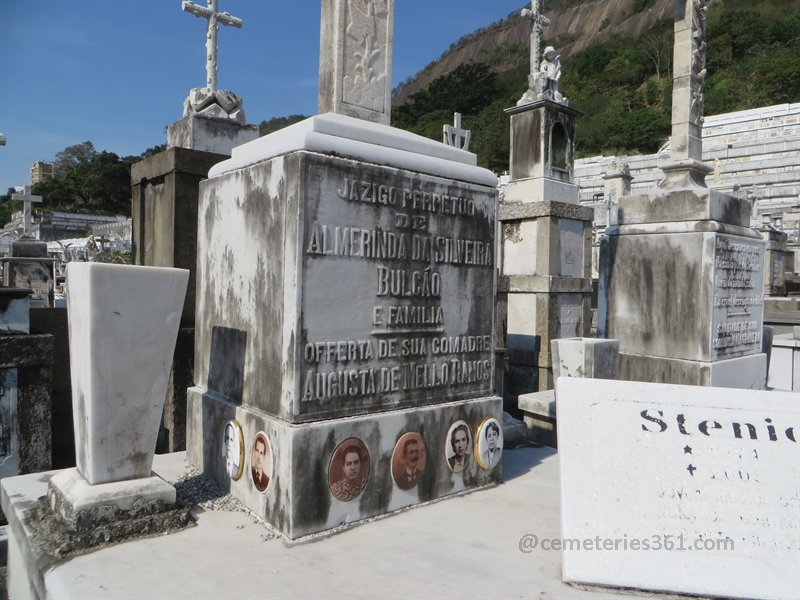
(200, 492)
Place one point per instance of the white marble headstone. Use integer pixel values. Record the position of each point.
(712, 473)
(123, 324)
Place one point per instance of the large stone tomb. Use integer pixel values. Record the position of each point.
(346, 277)
(680, 489)
(686, 301)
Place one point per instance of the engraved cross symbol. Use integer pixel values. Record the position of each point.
(213, 17)
(691, 470)
(538, 20)
(454, 135)
(27, 198)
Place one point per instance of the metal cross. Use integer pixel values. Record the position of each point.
(537, 21)
(213, 17)
(27, 198)
(453, 134)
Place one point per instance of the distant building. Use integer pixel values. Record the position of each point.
(41, 171)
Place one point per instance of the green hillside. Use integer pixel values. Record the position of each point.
(622, 85)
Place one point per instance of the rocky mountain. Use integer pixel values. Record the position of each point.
(574, 26)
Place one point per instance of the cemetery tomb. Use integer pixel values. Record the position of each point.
(345, 292)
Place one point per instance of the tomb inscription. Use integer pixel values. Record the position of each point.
(738, 315)
(397, 290)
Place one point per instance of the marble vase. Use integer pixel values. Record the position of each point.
(123, 324)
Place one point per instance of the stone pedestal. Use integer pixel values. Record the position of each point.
(346, 286)
(209, 134)
(542, 153)
(165, 189)
(682, 287)
(547, 257)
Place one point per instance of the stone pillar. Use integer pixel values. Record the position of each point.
(165, 190)
(546, 244)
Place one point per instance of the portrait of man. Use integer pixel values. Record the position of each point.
(261, 462)
(408, 461)
(457, 446)
(490, 443)
(349, 470)
(233, 449)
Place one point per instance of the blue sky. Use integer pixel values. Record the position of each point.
(116, 72)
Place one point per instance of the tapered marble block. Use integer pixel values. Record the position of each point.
(123, 324)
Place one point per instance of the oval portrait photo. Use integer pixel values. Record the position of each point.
(408, 461)
(261, 462)
(233, 449)
(458, 446)
(489, 443)
(349, 469)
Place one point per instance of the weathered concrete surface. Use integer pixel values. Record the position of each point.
(535, 155)
(209, 134)
(298, 501)
(664, 290)
(274, 285)
(465, 547)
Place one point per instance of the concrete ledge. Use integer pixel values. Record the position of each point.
(548, 284)
(515, 211)
(542, 404)
(183, 160)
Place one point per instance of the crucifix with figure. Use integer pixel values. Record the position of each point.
(27, 198)
(213, 17)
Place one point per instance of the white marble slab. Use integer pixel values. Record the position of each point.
(123, 323)
(643, 461)
(355, 138)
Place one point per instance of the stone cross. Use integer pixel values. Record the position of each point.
(538, 20)
(355, 66)
(455, 136)
(27, 198)
(213, 17)
(689, 75)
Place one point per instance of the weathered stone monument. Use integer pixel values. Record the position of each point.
(678, 489)
(27, 265)
(346, 276)
(682, 275)
(546, 235)
(164, 202)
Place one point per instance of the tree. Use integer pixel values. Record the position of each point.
(71, 157)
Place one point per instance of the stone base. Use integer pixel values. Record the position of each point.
(298, 500)
(209, 134)
(74, 500)
(747, 372)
